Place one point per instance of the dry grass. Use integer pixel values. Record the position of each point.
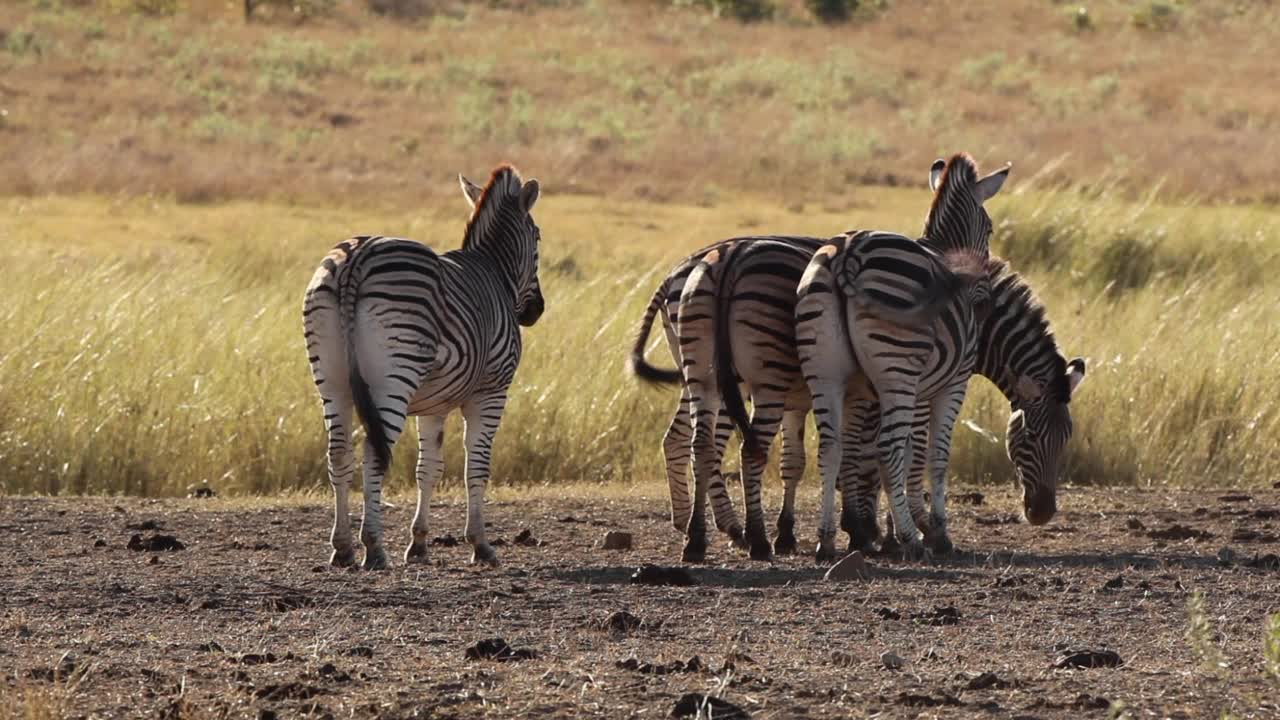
(159, 344)
(633, 99)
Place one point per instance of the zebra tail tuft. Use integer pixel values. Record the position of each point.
(726, 372)
(636, 364)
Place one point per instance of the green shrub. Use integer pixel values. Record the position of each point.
(832, 11)
(1157, 16)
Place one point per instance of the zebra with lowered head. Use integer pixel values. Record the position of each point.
(394, 329)
(1018, 353)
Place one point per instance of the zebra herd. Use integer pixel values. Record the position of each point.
(876, 333)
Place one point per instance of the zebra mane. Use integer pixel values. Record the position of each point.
(953, 203)
(1009, 288)
(501, 195)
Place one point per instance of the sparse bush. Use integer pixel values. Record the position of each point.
(1201, 636)
(832, 11)
(1082, 19)
(301, 9)
(1157, 15)
(741, 10)
(155, 8)
(401, 9)
(1271, 648)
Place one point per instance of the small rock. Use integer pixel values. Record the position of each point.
(697, 705)
(851, 567)
(888, 614)
(1114, 583)
(1226, 556)
(657, 575)
(617, 540)
(570, 519)
(1135, 524)
(892, 660)
(1090, 659)
(938, 617)
(839, 658)
(363, 651)
(986, 680)
(155, 560)
(526, 539)
(99, 543)
(498, 650)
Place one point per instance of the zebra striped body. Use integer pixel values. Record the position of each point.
(853, 356)
(394, 329)
(678, 438)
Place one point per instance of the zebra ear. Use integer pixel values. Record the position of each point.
(988, 186)
(1027, 388)
(470, 190)
(1075, 373)
(529, 194)
(935, 173)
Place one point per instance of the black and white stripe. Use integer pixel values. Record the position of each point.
(393, 329)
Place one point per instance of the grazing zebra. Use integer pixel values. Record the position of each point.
(677, 440)
(394, 329)
(1016, 351)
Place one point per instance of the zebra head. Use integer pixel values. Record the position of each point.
(1039, 429)
(502, 225)
(957, 220)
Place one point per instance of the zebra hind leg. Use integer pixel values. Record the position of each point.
(860, 477)
(722, 510)
(675, 450)
(342, 468)
(765, 418)
(784, 543)
(481, 418)
(430, 467)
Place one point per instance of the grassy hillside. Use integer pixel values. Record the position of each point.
(634, 98)
(151, 344)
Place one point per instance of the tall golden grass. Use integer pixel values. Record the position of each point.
(150, 345)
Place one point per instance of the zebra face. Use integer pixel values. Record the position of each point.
(1038, 432)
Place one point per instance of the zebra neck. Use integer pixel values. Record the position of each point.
(1015, 341)
(502, 261)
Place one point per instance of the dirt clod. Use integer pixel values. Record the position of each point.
(1179, 532)
(145, 525)
(699, 705)
(885, 613)
(155, 543)
(1114, 583)
(498, 650)
(1134, 524)
(622, 622)
(617, 540)
(526, 539)
(850, 567)
(1235, 497)
(986, 680)
(892, 660)
(99, 543)
(445, 541)
(363, 651)
(692, 665)
(938, 616)
(1090, 659)
(969, 498)
(658, 575)
(921, 700)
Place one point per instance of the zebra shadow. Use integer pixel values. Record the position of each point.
(740, 577)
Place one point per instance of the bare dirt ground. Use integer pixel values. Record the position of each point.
(248, 620)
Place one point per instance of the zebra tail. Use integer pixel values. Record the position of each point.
(726, 371)
(374, 431)
(636, 363)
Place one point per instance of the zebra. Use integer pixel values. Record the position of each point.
(889, 281)
(665, 302)
(393, 329)
(1017, 352)
(780, 260)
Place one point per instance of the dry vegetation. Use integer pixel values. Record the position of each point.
(638, 98)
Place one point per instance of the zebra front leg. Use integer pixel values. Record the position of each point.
(342, 468)
(430, 467)
(792, 470)
(480, 420)
(722, 510)
(916, 469)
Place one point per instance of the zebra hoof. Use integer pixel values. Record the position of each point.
(738, 538)
(416, 553)
(825, 555)
(343, 557)
(941, 544)
(784, 545)
(484, 555)
(761, 551)
(694, 552)
(375, 558)
(913, 550)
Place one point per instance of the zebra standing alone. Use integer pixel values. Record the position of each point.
(393, 329)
